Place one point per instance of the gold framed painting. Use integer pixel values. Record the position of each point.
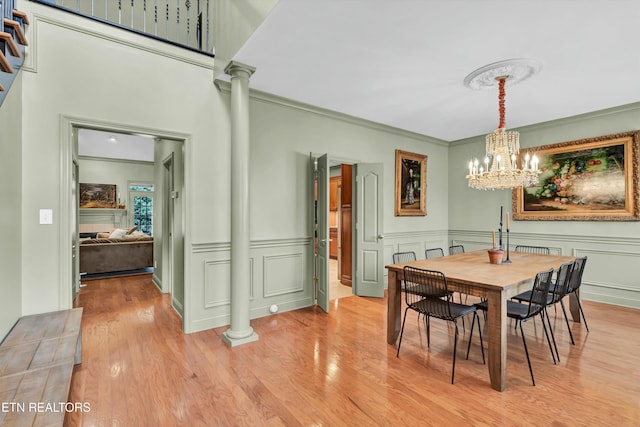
(593, 179)
(411, 184)
(101, 196)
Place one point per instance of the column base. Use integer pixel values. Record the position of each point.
(233, 342)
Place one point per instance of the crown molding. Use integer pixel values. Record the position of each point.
(558, 122)
(269, 98)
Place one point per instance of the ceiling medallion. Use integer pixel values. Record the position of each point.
(517, 69)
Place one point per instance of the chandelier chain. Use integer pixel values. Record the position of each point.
(501, 95)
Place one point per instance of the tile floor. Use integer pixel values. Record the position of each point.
(336, 289)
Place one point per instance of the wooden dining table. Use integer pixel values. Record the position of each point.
(495, 282)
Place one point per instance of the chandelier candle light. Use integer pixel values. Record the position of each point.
(500, 170)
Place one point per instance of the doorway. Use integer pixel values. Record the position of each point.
(340, 265)
(349, 229)
(129, 171)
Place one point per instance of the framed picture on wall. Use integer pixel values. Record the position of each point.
(98, 196)
(593, 179)
(411, 184)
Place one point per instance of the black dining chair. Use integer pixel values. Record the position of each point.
(536, 306)
(434, 253)
(533, 249)
(399, 257)
(456, 249)
(557, 291)
(426, 282)
(575, 282)
(409, 256)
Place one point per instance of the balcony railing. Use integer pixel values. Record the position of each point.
(12, 44)
(185, 23)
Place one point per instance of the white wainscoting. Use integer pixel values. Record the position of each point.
(282, 269)
(610, 274)
(216, 273)
(281, 274)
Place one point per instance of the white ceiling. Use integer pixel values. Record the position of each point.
(113, 145)
(402, 62)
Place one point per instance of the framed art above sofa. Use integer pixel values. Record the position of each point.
(98, 196)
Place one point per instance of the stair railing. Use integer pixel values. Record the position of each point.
(12, 44)
(185, 23)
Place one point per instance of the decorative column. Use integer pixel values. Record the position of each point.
(240, 331)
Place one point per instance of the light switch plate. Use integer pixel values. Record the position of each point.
(46, 216)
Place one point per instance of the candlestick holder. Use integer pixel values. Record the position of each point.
(507, 260)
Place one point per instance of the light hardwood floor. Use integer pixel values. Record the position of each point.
(315, 369)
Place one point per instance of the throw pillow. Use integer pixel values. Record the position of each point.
(118, 233)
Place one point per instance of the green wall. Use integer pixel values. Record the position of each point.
(118, 172)
(283, 133)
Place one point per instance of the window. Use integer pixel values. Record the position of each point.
(141, 203)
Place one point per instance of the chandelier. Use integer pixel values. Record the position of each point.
(499, 170)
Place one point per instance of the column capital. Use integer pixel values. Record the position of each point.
(235, 68)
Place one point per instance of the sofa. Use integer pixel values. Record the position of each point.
(111, 254)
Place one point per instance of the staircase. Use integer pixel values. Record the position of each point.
(12, 44)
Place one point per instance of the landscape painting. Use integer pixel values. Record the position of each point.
(98, 196)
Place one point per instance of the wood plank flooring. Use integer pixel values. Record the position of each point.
(313, 369)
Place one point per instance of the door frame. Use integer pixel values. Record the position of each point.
(75, 250)
(168, 182)
(68, 147)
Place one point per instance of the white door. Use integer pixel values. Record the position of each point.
(322, 232)
(368, 279)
